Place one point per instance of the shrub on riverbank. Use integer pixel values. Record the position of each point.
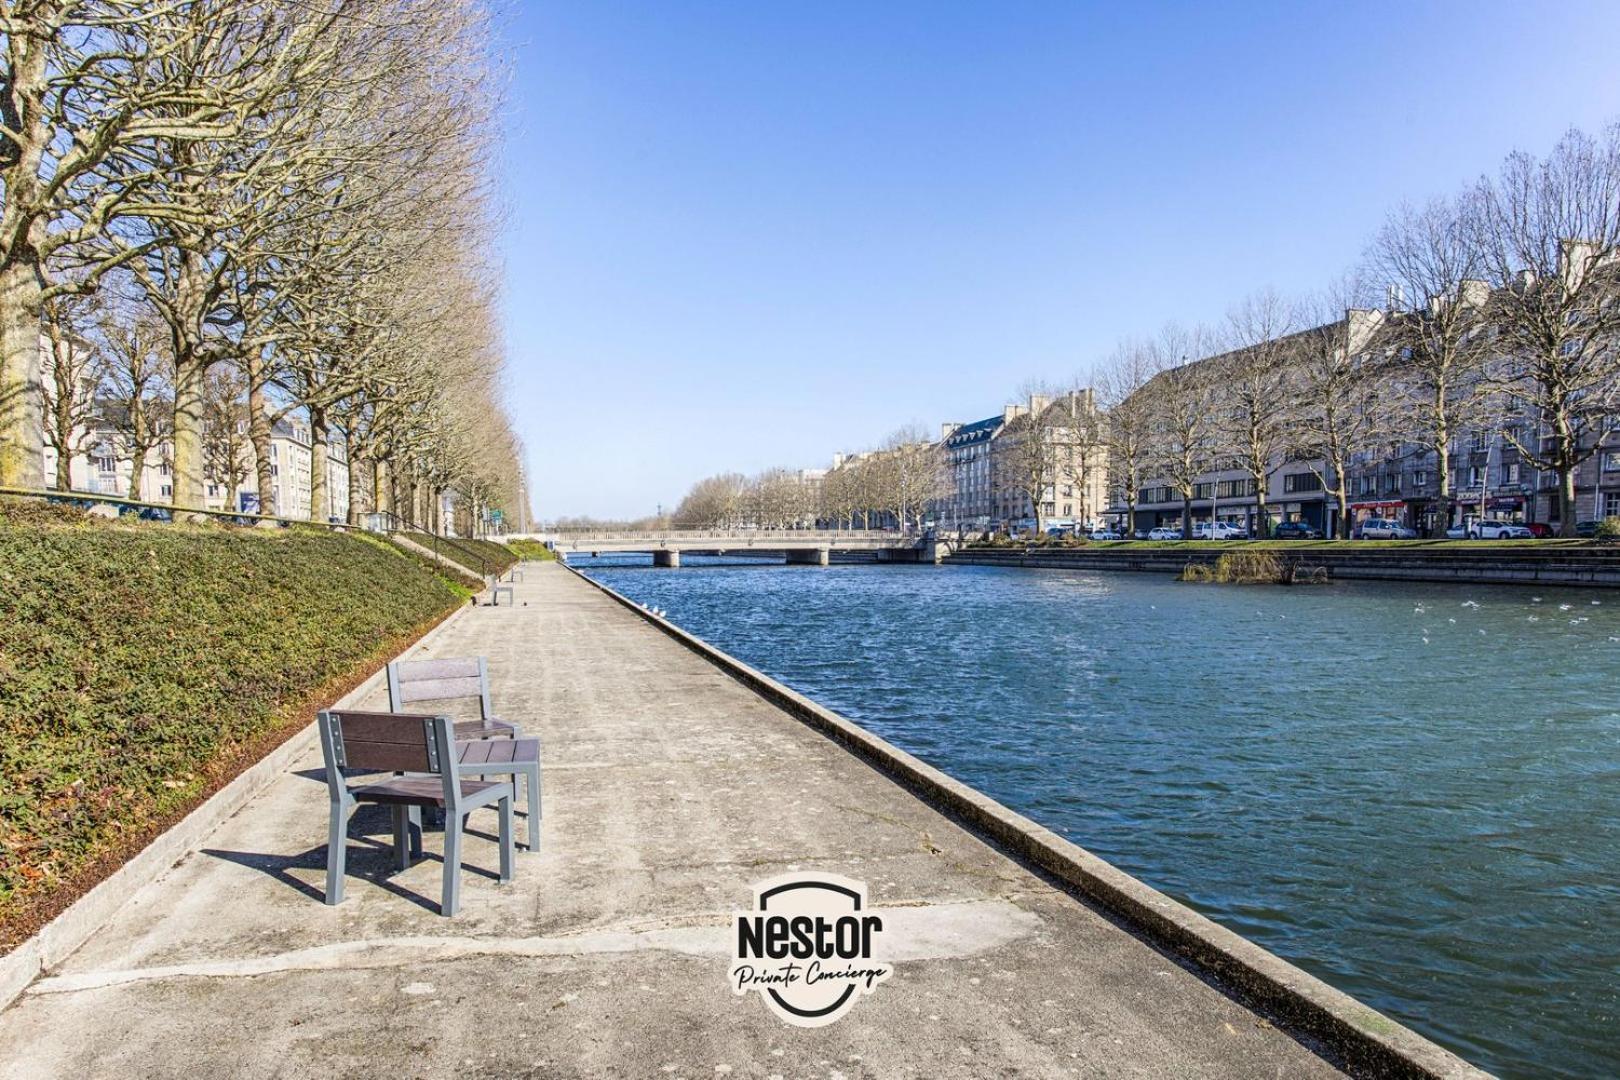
(143, 665)
(1241, 568)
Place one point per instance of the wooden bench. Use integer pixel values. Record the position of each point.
(410, 743)
(508, 757)
(452, 679)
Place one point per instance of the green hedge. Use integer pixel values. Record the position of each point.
(141, 665)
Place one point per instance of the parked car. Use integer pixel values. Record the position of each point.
(1141, 534)
(1586, 529)
(146, 513)
(1540, 529)
(1458, 532)
(1224, 530)
(1385, 529)
(1499, 530)
(1295, 530)
(1165, 532)
(1107, 532)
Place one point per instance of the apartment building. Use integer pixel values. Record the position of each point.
(989, 475)
(105, 468)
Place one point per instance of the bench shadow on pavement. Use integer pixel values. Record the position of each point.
(370, 859)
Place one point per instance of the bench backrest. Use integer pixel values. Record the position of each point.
(439, 680)
(388, 742)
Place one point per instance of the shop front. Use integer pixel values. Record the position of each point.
(1393, 510)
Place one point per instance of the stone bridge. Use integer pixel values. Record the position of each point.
(813, 546)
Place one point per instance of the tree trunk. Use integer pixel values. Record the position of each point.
(189, 373)
(1341, 495)
(137, 470)
(1186, 517)
(356, 461)
(259, 435)
(1263, 525)
(22, 399)
(319, 501)
(1566, 500)
(1442, 464)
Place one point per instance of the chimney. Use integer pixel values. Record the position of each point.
(1010, 413)
(1395, 300)
(1360, 326)
(1474, 293)
(1524, 280)
(947, 429)
(1575, 260)
(1038, 403)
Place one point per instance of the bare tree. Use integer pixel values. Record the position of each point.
(224, 443)
(1252, 392)
(1182, 398)
(74, 373)
(1338, 411)
(1436, 332)
(1129, 428)
(138, 389)
(1025, 456)
(1549, 233)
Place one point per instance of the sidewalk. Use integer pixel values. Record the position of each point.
(669, 790)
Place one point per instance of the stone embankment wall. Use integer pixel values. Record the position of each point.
(1585, 566)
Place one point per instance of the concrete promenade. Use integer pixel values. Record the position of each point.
(670, 790)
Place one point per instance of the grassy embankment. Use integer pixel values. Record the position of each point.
(532, 550)
(144, 665)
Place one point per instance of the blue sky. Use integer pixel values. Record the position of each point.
(753, 234)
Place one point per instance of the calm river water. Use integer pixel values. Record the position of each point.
(1411, 791)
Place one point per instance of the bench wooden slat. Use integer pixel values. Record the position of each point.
(440, 689)
(381, 727)
(453, 668)
(386, 756)
(417, 790)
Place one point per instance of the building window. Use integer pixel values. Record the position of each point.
(168, 490)
(1510, 473)
(1611, 461)
(1476, 475)
(1611, 504)
(1420, 479)
(1392, 484)
(1306, 481)
(1201, 491)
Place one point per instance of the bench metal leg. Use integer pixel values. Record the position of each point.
(532, 806)
(506, 837)
(413, 815)
(450, 898)
(402, 840)
(337, 849)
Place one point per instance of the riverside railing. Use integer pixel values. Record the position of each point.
(161, 512)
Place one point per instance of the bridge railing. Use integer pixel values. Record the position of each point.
(758, 535)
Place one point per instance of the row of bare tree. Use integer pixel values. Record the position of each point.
(1498, 321)
(892, 485)
(217, 213)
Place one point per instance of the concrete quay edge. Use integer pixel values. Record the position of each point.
(1367, 1042)
(59, 938)
(1548, 572)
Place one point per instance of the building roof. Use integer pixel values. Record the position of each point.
(978, 431)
